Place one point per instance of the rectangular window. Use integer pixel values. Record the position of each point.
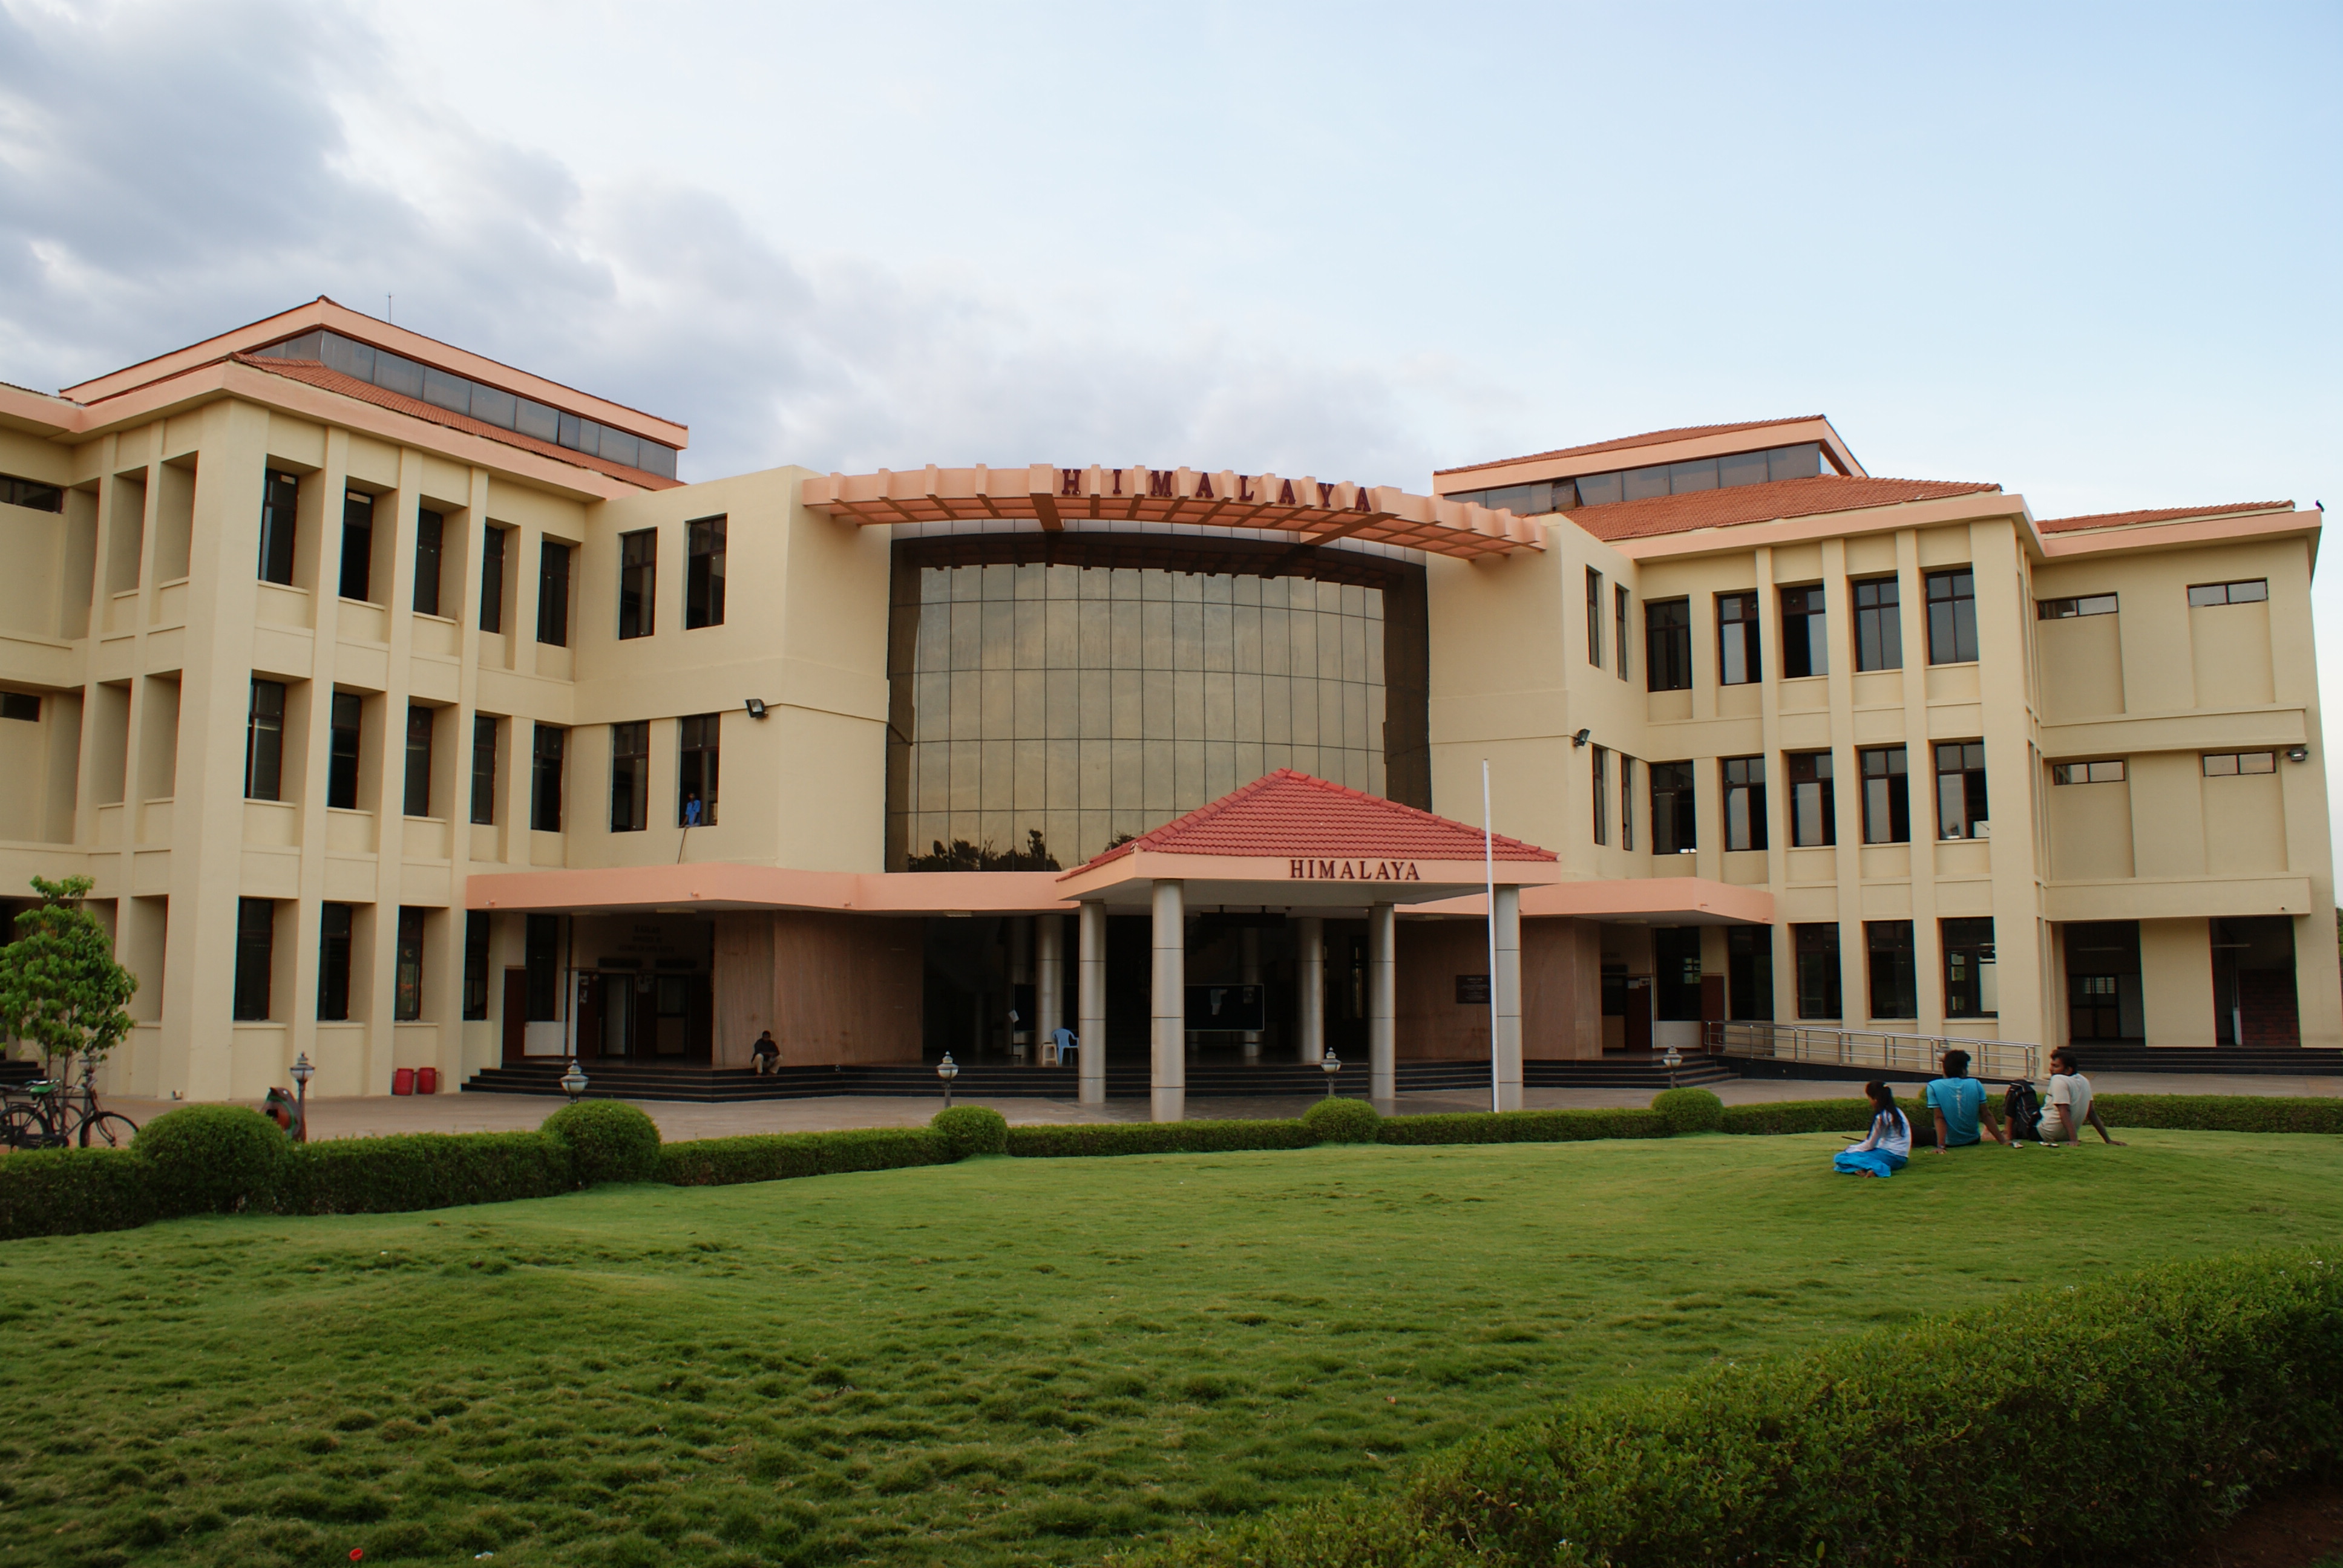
(1805, 645)
(1815, 949)
(1894, 981)
(1961, 810)
(2229, 764)
(1814, 810)
(696, 773)
(1951, 617)
(703, 573)
(542, 952)
(342, 751)
(1878, 625)
(1970, 990)
(1601, 793)
(1745, 802)
(334, 963)
(357, 544)
(484, 768)
(492, 579)
(417, 794)
(476, 965)
(2254, 592)
(1749, 973)
(1673, 817)
(430, 533)
(31, 494)
(1593, 618)
(631, 776)
(545, 779)
(638, 582)
(1740, 660)
(1627, 801)
(407, 986)
(264, 741)
(255, 954)
(1619, 622)
(553, 594)
(2069, 609)
(2109, 773)
(1667, 645)
(1887, 796)
(280, 500)
(22, 705)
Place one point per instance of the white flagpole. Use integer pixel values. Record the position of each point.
(1489, 864)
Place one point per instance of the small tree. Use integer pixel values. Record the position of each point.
(59, 985)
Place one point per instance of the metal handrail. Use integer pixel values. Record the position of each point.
(2005, 1059)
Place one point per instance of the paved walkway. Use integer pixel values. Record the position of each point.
(368, 1117)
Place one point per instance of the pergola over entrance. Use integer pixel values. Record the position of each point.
(1311, 850)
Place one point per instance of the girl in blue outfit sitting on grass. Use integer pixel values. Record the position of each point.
(1887, 1147)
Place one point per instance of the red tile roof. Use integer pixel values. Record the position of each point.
(1625, 443)
(1765, 503)
(1281, 812)
(2165, 514)
(315, 375)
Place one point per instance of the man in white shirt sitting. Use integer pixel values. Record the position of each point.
(2067, 1108)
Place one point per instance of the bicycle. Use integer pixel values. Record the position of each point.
(46, 1118)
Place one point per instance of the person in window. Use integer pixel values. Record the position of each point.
(691, 809)
(765, 1056)
(2067, 1110)
(1886, 1147)
(1958, 1101)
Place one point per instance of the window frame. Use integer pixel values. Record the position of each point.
(1593, 618)
(487, 734)
(1751, 789)
(703, 572)
(1952, 615)
(1815, 965)
(638, 584)
(2076, 606)
(1901, 961)
(548, 763)
(495, 545)
(477, 935)
(257, 724)
(422, 728)
(256, 962)
(430, 557)
(2199, 594)
(1819, 787)
(280, 512)
(355, 571)
(631, 776)
(1952, 946)
(1748, 669)
(1667, 644)
(554, 574)
(1622, 602)
(406, 965)
(334, 957)
(1891, 795)
(342, 762)
(1627, 801)
(1975, 802)
(1599, 766)
(2065, 773)
(698, 761)
(2240, 764)
(1805, 645)
(1879, 625)
(1674, 802)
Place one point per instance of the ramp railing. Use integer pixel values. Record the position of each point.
(2003, 1060)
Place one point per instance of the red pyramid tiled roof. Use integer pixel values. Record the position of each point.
(2163, 515)
(1284, 812)
(325, 378)
(1769, 502)
(1628, 443)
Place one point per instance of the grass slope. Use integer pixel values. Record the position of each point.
(999, 1362)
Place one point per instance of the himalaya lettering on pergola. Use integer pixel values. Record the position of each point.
(1162, 484)
(1309, 871)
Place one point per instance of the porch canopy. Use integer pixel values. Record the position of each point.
(1291, 842)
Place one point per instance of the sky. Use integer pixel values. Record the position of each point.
(2087, 252)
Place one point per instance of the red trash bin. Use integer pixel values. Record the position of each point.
(426, 1080)
(403, 1081)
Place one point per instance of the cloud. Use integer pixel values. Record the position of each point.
(169, 171)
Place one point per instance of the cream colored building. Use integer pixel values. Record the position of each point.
(410, 714)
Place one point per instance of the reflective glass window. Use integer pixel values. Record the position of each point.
(1878, 625)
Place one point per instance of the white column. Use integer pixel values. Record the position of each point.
(1382, 1002)
(1507, 985)
(1049, 979)
(1090, 977)
(1249, 973)
(1167, 1006)
(1310, 1013)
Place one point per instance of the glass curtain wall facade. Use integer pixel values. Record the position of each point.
(1067, 693)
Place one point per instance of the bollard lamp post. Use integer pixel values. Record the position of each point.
(1332, 1065)
(302, 1073)
(573, 1082)
(948, 1069)
(1672, 1060)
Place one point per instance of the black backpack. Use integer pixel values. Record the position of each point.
(2022, 1109)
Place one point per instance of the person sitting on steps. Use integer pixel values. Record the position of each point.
(765, 1056)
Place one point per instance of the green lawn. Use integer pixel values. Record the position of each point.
(1003, 1361)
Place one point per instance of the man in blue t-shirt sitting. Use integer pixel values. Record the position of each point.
(1958, 1101)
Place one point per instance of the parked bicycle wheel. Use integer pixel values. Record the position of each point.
(108, 1130)
(23, 1126)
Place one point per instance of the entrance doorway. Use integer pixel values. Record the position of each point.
(644, 1017)
(2104, 997)
(2252, 982)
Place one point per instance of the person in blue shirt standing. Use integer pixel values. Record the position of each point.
(1958, 1101)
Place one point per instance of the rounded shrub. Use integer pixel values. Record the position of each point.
(211, 1159)
(969, 1130)
(608, 1140)
(1334, 1120)
(1689, 1109)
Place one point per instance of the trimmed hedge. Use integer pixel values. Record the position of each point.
(1332, 1120)
(2097, 1424)
(422, 1171)
(69, 1191)
(781, 1156)
(1523, 1126)
(1097, 1138)
(211, 1159)
(609, 1140)
(972, 1129)
(1690, 1109)
(1803, 1116)
(2221, 1112)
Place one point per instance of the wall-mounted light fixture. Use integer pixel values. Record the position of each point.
(1579, 739)
(756, 707)
(2297, 754)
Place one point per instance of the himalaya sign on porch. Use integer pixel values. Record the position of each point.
(1306, 870)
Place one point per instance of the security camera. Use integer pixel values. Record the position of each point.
(1579, 739)
(756, 707)
(2297, 754)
